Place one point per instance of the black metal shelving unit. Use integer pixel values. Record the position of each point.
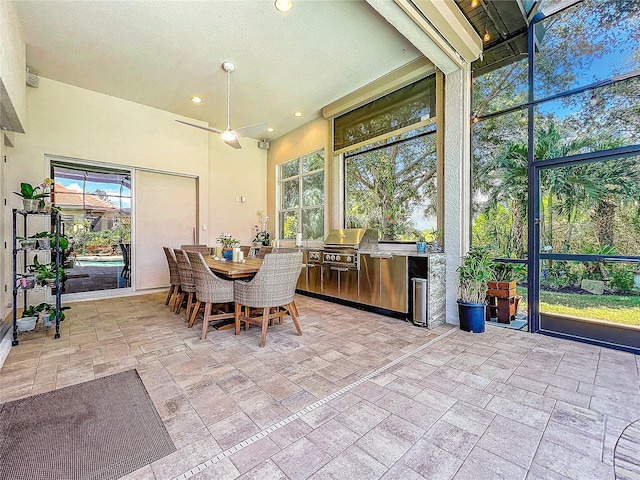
(20, 265)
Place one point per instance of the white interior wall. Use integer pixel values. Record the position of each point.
(235, 174)
(71, 122)
(4, 257)
(13, 60)
(308, 138)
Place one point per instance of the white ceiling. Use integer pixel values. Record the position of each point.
(161, 53)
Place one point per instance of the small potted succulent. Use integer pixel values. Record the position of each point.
(421, 244)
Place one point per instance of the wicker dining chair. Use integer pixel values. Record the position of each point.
(272, 290)
(287, 250)
(284, 250)
(187, 283)
(210, 290)
(174, 278)
(203, 249)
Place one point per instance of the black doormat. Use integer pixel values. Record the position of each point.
(101, 429)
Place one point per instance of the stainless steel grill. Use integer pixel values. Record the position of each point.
(342, 245)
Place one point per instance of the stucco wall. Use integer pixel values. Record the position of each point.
(457, 178)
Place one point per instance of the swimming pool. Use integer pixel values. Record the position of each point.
(100, 263)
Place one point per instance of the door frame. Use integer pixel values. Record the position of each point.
(603, 334)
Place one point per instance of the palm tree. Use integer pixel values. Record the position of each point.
(505, 181)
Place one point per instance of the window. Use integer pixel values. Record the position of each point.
(392, 187)
(390, 163)
(398, 110)
(301, 206)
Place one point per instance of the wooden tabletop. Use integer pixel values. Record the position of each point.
(233, 269)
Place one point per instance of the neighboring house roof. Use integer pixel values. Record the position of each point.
(68, 199)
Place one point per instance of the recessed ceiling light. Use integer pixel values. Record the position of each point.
(270, 129)
(475, 3)
(297, 114)
(283, 5)
(196, 99)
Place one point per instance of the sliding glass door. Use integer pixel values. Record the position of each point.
(95, 204)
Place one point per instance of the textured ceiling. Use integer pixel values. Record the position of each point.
(160, 54)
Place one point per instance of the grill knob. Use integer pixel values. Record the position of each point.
(338, 258)
(348, 258)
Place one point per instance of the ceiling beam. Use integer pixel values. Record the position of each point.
(401, 77)
(447, 61)
(443, 21)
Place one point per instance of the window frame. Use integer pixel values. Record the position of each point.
(299, 177)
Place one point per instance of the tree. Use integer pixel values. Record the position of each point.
(588, 42)
(384, 185)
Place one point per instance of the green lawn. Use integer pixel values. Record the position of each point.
(612, 308)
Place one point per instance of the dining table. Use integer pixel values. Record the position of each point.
(233, 270)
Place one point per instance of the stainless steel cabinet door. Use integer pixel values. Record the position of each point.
(393, 283)
(369, 280)
(349, 284)
(314, 278)
(302, 280)
(330, 281)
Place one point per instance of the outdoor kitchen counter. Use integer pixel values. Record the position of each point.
(382, 279)
(406, 253)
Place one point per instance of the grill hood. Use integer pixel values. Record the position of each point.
(363, 238)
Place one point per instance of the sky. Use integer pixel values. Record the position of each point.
(114, 191)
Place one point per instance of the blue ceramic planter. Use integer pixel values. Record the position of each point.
(421, 247)
(227, 254)
(472, 316)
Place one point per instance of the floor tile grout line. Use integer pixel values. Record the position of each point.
(272, 428)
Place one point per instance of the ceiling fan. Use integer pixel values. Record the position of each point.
(230, 137)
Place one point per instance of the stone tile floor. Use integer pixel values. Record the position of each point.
(358, 396)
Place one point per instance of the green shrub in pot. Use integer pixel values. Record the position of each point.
(474, 272)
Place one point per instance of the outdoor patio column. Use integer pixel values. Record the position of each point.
(457, 178)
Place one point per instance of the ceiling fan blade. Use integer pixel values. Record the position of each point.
(213, 130)
(250, 127)
(233, 143)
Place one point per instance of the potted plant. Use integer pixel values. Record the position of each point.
(502, 297)
(475, 271)
(421, 244)
(47, 240)
(27, 243)
(47, 309)
(262, 237)
(28, 319)
(505, 278)
(31, 198)
(435, 240)
(227, 242)
(46, 272)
